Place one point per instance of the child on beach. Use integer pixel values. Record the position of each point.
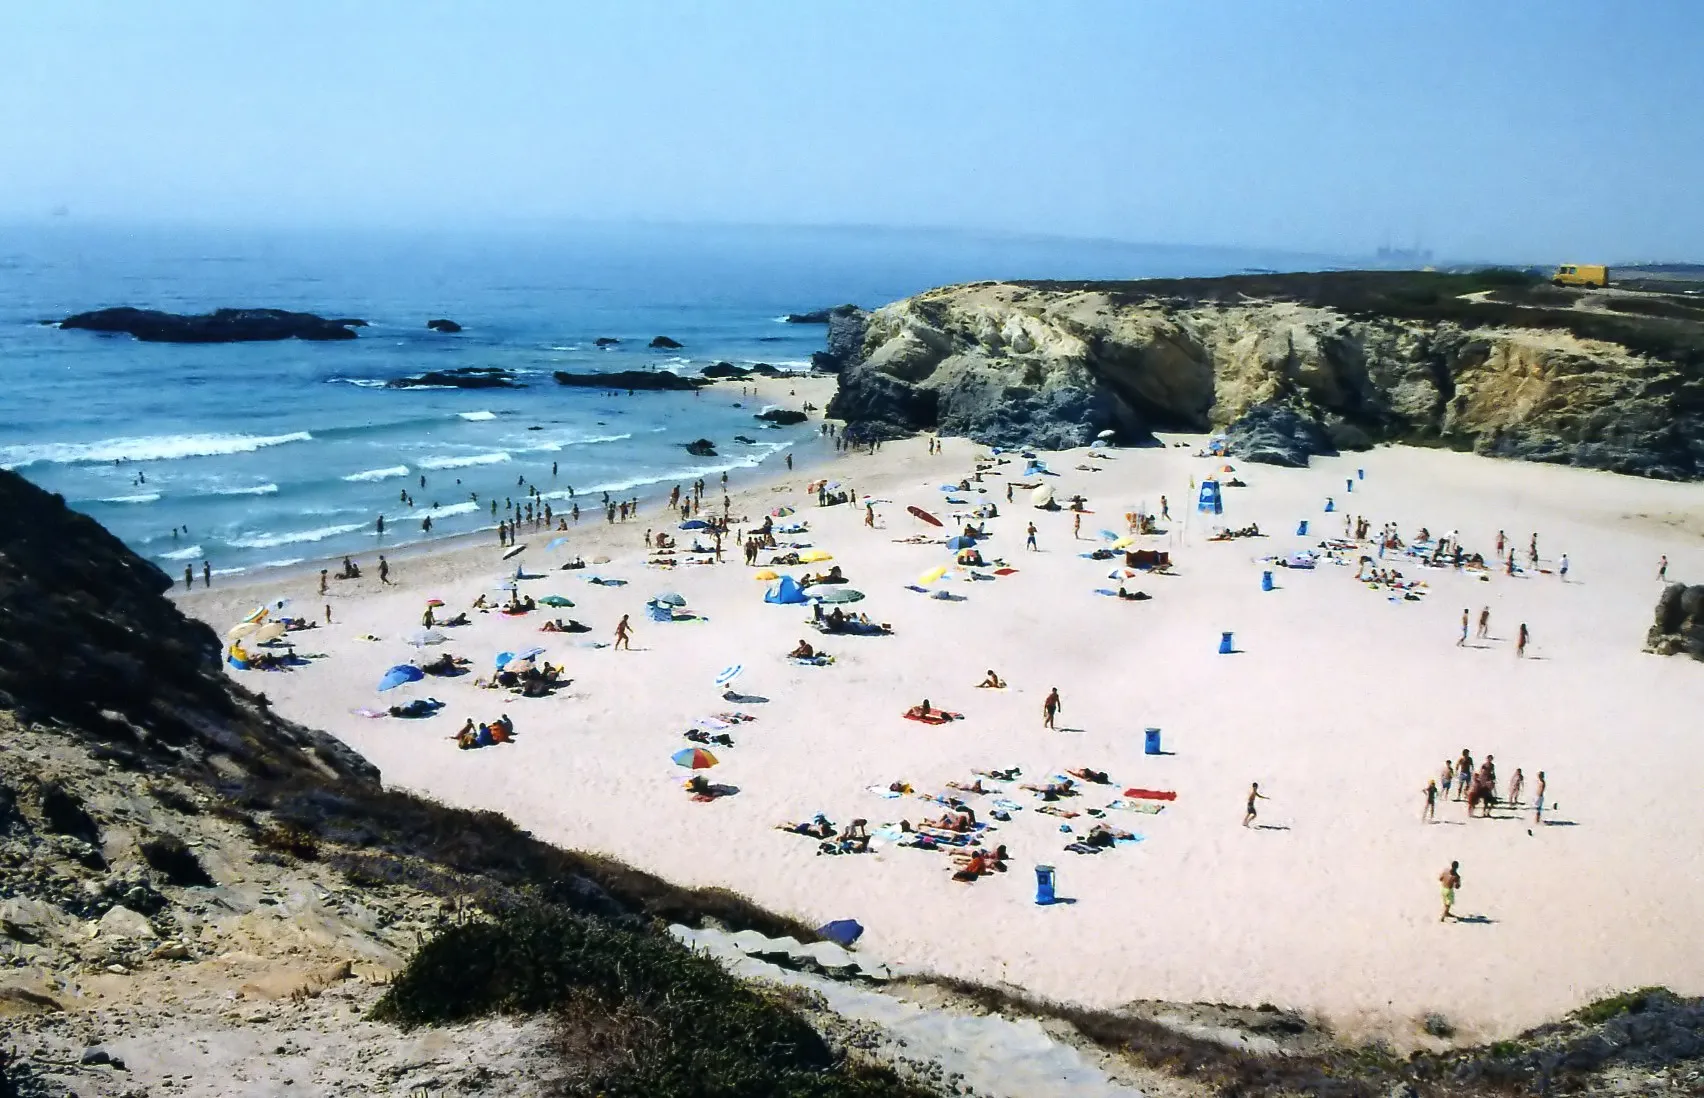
(1430, 811)
(1450, 880)
(1254, 794)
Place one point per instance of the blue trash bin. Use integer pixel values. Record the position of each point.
(1330, 504)
(1266, 581)
(1044, 884)
(1302, 528)
(1226, 646)
(1348, 486)
(1151, 741)
(1360, 474)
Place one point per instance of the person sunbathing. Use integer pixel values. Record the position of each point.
(975, 866)
(1010, 774)
(459, 619)
(699, 786)
(817, 827)
(924, 712)
(1051, 790)
(973, 787)
(1103, 835)
(804, 651)
(1098, 777)
(958, 822)
(1132, 596)
(991, 682)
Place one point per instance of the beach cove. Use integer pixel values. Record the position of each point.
(1341, 700)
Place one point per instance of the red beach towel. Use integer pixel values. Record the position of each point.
(1151, 794)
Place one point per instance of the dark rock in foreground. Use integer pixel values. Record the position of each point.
(1272, 434)
(442, 325)
(1679, 624)
(781, 417)
(702, 448)
(631, 380)
(664, 343)
(220, 326)
(466, 377)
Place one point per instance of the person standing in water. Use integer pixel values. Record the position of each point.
(206, 574)
(1449, 880)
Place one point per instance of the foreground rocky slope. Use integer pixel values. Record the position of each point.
(1491, 363)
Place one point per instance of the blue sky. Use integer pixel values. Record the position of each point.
(1570, 129)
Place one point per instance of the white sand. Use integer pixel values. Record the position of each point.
(1342, 704)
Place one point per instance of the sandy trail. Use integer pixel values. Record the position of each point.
(1340, 703)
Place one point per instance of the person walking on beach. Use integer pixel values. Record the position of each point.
(328, 613)
(323, 575)
(1009, 499)
(1484, 622)
(1077, 526)
(1029, 538)
(1516, 784)
(1447, 776)
(623, 635)
(1254, 794)
(1461, 641)
(1562, 566)
(384, 569)
(1502, 540)
(1662, 569)
(1450, 880)
(206, 574)
(1430, 811)
(1521, 641)
(1050, 708)
(1165, 508)
(1538, 800)
(189, 577)
(1464, 774)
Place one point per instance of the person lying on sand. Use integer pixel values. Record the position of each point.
(973, 787)
(804, 651)
(1133, 596)
(922, 711)
(993, 859)
(1051, 790)
(1097, 777)
(817, 827)
(1104, 835)
(459, 619)
(953, 821)
(991, 681)
(1010, 774)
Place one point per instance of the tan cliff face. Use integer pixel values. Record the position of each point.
(1011, 364)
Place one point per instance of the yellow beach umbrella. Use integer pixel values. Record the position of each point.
(766, 575)
(271, 631)
(1124, 543)
(813, 556)
(241, 630)
(932, 574)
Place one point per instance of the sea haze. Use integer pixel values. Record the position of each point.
(272, 453)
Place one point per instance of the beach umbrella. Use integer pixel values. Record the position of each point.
(529, 653)
(1109, 535)
(813, 556)
(728, 674)
(932, 575)
(434, 603)
(924, 516)
(766, 575)
(503, 658)
(420, 638)
(695, 524)
(555, 600)
(694, 758)
(840, 594)
(241, 629)
(556, 543)
(842, 932)
(519, 666)
(669, 598)
(270, 631)
(1227, 468)
(782, 512)
(258, 613)
(401, 673)
(961, 542)
(1042, 496)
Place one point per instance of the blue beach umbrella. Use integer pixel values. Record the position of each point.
(729, 674)
(695, 524)
(401, 673)
(1109, 535)
(961, 542)
(556, 543)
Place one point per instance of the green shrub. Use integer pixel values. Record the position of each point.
(638, 1013)
(1628, 1002)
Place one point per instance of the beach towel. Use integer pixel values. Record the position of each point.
(935, 717)
(1005, 571)
(814, 661)
(884, 792)
(1151, 794)
(369, 711)
(1005, 805)
(1055, 810)
(1146, 808)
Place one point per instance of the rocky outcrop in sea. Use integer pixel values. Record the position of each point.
(631, 380)
(219, 326)
(1289, 366)
(464, 377)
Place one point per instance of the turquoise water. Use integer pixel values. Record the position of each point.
(274, 453)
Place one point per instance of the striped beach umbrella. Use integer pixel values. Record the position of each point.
(694, 758)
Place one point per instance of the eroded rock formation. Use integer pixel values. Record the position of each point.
(1679, 624)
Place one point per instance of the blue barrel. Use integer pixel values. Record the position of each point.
(1044, 884)
(1151, 741)
(1302, 528)
(1360, 474)
(1348, 486)
(1226, 646)
(1266, 581)
(1330, 504)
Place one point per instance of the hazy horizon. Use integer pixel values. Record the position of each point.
(1481, 135)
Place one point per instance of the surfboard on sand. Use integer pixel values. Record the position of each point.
(515, 550)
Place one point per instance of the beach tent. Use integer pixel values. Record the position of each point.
(1042, 496)
(786, 590)
(961, 542)
(1210, 500)
(1301, 560)
(1218, 444)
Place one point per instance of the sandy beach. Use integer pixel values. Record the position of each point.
(1340, 700)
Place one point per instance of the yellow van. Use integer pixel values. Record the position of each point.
(1581, 274)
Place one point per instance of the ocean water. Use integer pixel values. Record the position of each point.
(275, 453)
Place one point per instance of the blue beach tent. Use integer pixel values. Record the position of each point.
(785, 590)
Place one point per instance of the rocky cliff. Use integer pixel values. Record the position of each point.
(1490, 363)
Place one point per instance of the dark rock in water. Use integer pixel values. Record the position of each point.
(724, 369)
(442, 325)
(664, 343)
(1273, 434)
(782, 417)
(744, 439)
(1679, 624)
(702, 448)
(821, 316)
(767, 370)
(220, 326)
(630, 380)
(605, 341)
(465, 377)
(847, 325)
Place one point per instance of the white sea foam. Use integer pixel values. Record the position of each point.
(363, 382)
(192, 553)
(462, 461)
(145, 448)
(553, 445)
(144, 497)
(294, 537)
(379, 474)
(477, 416)
(255, 490)
(285, 563)
(455, 509)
